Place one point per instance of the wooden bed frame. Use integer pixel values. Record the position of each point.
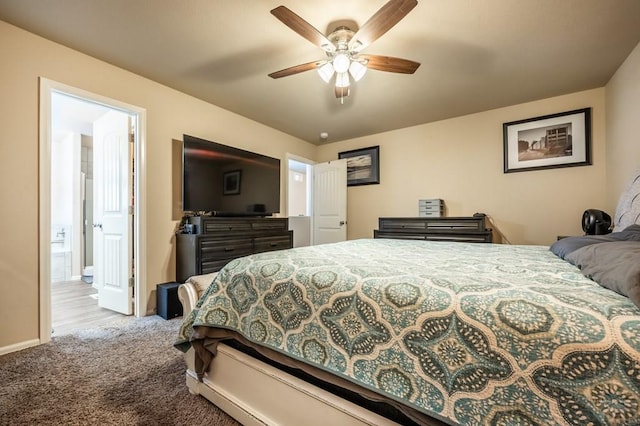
(256, 393)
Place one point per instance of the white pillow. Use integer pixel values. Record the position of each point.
(628, 209)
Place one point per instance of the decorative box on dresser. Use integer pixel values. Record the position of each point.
(462, 229)
(214, 241)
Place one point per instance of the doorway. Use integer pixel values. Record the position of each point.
(72, 187)
(316, 201)
(67, 229)
(299, 195)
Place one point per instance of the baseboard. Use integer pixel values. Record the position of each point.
(19, 346)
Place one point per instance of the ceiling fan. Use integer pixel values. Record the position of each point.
(343, 46)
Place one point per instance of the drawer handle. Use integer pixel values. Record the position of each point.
(274, 244)
(228, 249)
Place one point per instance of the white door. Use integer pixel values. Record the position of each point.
(111, 219)
(330, 202)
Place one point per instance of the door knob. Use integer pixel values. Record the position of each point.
(342, 222)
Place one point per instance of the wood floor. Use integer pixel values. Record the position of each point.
(74, 306)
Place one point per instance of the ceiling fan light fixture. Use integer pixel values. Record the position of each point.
(343, 45)
(326, 72)
(341, 63)
(342, 79)
(357, 70)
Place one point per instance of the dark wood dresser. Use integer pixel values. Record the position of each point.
(218, 240)
(463, 229)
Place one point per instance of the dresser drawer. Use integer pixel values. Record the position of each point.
(279, 242)
(466, 237)
(217, 248)
(398, 235)
(213, 265)
(278, 225)
(458, 224)
(225, 226)
(396, 224)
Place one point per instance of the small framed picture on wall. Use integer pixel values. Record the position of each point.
(549, 141)
(363, 166)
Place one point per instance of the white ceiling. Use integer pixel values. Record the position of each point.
(475, 54)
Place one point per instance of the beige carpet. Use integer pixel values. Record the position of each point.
(124, 374)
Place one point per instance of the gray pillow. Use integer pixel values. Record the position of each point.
(563, 247)
(567, 245)
(630, 233)
(613, 265)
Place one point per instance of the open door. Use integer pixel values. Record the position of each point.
(330, 202)
(112, 220)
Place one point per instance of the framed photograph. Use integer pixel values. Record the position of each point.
(231, 182)
(363, 166)
(549, 141)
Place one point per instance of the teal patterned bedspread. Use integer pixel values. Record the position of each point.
(473, 334)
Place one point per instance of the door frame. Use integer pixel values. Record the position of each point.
(47, 87)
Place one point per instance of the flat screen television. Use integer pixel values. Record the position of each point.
(224, 181)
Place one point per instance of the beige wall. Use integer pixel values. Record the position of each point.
(461, 161)
(25, 58)
(623, 117)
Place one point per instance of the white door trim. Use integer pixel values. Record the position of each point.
(47, 87)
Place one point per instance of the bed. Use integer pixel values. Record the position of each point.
(438, 332)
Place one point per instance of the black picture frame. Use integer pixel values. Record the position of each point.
(548, 142)
(231, 182)
(363, 166)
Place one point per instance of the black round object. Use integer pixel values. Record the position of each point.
(595, 222)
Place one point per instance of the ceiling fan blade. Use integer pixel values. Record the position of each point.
(302, 27)
(381, 22)
(297, 69)
(390, 64)
(342, 92)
